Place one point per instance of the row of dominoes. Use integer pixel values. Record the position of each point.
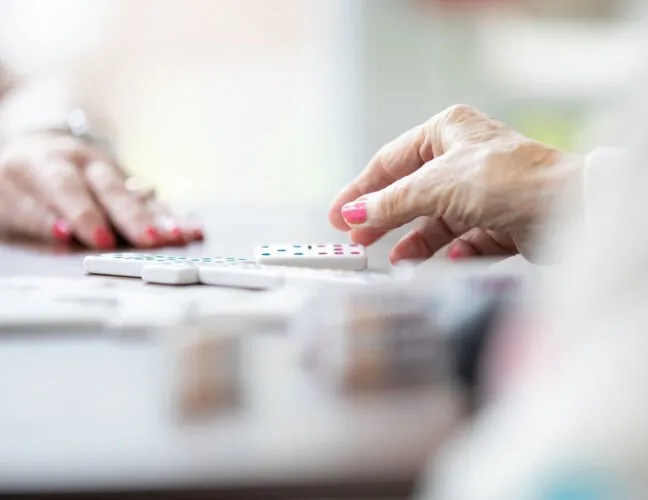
(220, 271)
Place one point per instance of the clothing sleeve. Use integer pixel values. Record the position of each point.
(5, 80)
(605, 171)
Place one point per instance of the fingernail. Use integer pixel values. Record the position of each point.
(456, 253)
(61, 231)
(177, 235)
(153, 236)
(355, 212)
(103, 238)
(198, 234)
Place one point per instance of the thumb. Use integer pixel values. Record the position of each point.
(420, 193)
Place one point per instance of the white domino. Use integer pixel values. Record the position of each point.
(171, 273)
(269, 277)
(115, 265)
(131, 264)
(349, 257)
(241, 275)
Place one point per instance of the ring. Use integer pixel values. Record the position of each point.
(139, 188)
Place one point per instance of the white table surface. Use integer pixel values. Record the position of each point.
(90, 413)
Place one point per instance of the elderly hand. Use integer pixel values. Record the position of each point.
(55, 187)
(480, 187)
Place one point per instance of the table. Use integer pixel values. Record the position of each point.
(88, 415)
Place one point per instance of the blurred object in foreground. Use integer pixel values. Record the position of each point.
(206, 366)
(430, 326)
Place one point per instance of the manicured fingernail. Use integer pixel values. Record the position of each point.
(103, 238)
(61, 231)
(152, 236)
(153, 232)
(176, 235)
(456, 253)
(355, 212)
(198, 234)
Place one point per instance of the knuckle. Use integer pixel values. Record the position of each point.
(84, 216)
(459, 113)
(104, 176)
(67, 149)
(392, 204)
(9, 170)
(131, 213)
(63, 185)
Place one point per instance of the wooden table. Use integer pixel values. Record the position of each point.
(88, 415)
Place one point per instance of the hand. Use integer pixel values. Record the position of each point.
(54, 187)
(480, 187)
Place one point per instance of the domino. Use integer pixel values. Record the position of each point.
(270, 277)
(351, 257)
(171, 273)
(241, 275)
(115, 264)
(130, 265)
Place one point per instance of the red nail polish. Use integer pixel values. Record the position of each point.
(355, 212)
(177, 235)
(103, 238)
(61, 231)
(198, 234)
(456, 253)
(152, 237)
(153, 233)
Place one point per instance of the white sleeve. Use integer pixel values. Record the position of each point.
(604, 173)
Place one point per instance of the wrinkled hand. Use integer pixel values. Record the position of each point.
(55, 187)
(480, 187)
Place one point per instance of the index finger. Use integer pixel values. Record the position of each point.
(397, 159)
(65, 189)
(128, 213)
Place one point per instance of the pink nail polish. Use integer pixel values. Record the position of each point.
(103, 238)
(456, 253)
(355, 212)
(61, 231)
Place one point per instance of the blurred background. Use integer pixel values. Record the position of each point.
(283, 101)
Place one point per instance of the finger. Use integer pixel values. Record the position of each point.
(66, 191)
(129, 215)
(184, 227)
(409, 152)
(365, 238)
(24, 214)
(397, 159)
(480, 243)
(426, 240)
(429, 191)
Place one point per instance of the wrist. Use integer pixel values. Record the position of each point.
(73, 124)
(49, 104)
